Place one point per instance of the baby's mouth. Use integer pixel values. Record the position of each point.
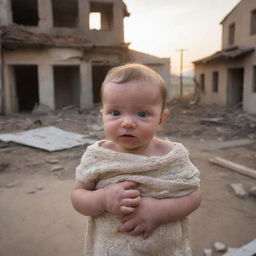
(127, 136)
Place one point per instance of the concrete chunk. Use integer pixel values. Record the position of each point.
(208, 252)
(220, 247)
(252, 190)
(56, 168)
(239, 190)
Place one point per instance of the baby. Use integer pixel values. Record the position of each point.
(136, 188)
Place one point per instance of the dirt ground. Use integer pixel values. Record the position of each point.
(37, 218)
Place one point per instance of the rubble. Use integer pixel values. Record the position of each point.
(3, 166)
(208, 252)
(41, 109)
(56, 168)
(239, 190)
(52, 161)
(11, 185)
(220, 247)
(252, 190)
(209, 121)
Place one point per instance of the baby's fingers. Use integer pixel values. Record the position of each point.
(131, 193)
(127, 226)
(131, 202)
(126, 209)
(128, 184)
(136, 231)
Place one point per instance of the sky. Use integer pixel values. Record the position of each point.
(161, 27)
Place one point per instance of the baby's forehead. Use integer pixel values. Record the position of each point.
(132, 85)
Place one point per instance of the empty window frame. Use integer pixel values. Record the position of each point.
(65, 13)
(231, 34)
(253, 22)
(95, 20)
(254, 80)
(25, 12)
(215, 81)
(104, 13)
(202, 82)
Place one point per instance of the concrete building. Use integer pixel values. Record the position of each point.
(228, 77)
(52, 53)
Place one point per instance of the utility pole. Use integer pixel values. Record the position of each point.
(181, 69)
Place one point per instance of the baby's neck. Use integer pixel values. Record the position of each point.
(156, 147)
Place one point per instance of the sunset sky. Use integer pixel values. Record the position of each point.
(160, 27)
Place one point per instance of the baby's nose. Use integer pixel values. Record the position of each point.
(128, 123)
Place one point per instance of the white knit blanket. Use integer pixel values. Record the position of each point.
(171, 175)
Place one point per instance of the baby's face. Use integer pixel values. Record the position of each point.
(131, 114)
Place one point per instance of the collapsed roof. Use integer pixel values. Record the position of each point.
(226, 54)
(16, 36)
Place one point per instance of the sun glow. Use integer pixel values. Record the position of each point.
(95, 20)
(161, 27)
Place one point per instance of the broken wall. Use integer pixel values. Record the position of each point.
(64, 76)
(67, 17)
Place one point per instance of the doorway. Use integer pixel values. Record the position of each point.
(66, 86)
(235, 87)
(26, 81)
(98, 75)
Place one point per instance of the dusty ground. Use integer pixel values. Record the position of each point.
(36, 215)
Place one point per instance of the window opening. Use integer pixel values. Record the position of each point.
(215, 81)
(65, 13)
(253, 22)
(26, 81)
(106, 14)
(95, 20)
(202, 82)
(25, 12)
(231, 34)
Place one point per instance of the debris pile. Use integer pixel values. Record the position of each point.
(219, 247)
(209, 122)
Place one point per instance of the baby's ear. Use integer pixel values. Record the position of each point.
(164, 115)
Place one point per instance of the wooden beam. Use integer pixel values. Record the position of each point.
(234, 166)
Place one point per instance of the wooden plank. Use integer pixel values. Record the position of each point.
(228, 144)
(234, 166)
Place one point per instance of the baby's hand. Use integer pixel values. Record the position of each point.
(121, 198)
(143, 221)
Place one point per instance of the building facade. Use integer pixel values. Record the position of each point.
(52, 53)
(228, 77)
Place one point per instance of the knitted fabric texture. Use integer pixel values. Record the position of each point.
(171, 175)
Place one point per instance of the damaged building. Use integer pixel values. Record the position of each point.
(228, 77)
(53, 53)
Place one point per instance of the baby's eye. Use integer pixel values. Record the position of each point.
(142, 114)
(115, 113)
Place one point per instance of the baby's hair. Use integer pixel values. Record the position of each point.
(135, 72)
